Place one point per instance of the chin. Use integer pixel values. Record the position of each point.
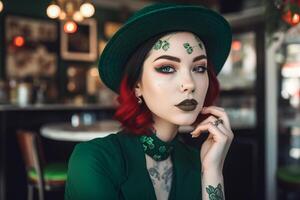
(185, 121)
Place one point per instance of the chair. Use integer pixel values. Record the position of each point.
(44, 177)
(288, 178)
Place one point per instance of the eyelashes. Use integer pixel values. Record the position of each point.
(168, 69)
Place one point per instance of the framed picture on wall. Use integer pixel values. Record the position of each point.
(30, 47)
(81, 45)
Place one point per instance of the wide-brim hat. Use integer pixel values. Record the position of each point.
(208, 25)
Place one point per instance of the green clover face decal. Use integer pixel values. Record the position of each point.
(162, 44)
(166, 45)
(157, 45)
(188, 48)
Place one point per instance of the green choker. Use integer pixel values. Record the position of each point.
(156, 148)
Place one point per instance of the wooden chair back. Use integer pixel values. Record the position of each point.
(32, 152)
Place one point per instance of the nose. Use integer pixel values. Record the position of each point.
(187, 83)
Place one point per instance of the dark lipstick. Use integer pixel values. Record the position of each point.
(187, 105)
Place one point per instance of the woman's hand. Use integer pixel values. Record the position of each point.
(216, 146)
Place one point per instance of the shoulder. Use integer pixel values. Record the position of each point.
(100, 154)
(95, 169)
(109, 147)
(98, 145)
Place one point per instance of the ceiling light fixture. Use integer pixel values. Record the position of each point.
(70, 11)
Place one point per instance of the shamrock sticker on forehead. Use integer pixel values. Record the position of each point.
(162, 44)
(188, 48)
(158, 45)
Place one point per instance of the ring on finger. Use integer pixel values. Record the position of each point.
(217, 122)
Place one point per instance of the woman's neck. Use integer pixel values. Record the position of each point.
(165, 131)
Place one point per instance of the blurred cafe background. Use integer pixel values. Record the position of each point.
(51, 97)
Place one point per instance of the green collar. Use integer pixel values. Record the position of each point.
(156, 148)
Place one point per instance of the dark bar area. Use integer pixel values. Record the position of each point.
(57, 98)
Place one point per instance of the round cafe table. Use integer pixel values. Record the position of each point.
(67, 132)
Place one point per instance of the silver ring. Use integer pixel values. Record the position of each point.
(217, 122)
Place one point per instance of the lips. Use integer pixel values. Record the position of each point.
(187, 105)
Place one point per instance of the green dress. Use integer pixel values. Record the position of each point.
(114, 168)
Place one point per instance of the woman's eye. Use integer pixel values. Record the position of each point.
(200, 69)
(165, 69)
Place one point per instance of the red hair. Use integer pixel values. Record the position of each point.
(137, 118)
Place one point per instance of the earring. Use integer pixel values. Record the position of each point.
(140, 101)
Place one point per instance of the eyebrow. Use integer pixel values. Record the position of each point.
(178, 59)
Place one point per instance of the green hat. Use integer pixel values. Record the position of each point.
(208, 25)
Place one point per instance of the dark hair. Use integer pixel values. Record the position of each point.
(137, 118)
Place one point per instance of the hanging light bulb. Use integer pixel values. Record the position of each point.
(70, 27)
(1, 6)
(70, 9)
(87, 9)
(53, 11)
(77, 16)
(62, 15)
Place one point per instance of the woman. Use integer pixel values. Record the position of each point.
(163, 64)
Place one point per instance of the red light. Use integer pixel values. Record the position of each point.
(236, 45)
(295, 18)
(70, 27)
(19, 41)
(292, 20)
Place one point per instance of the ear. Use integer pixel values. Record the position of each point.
(137, 90)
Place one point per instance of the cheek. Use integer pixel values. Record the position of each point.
(155, 84)
(155, 90)
(202, 87)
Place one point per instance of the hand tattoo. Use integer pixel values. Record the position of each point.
(215, 193)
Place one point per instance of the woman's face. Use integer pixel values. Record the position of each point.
(175, 70)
